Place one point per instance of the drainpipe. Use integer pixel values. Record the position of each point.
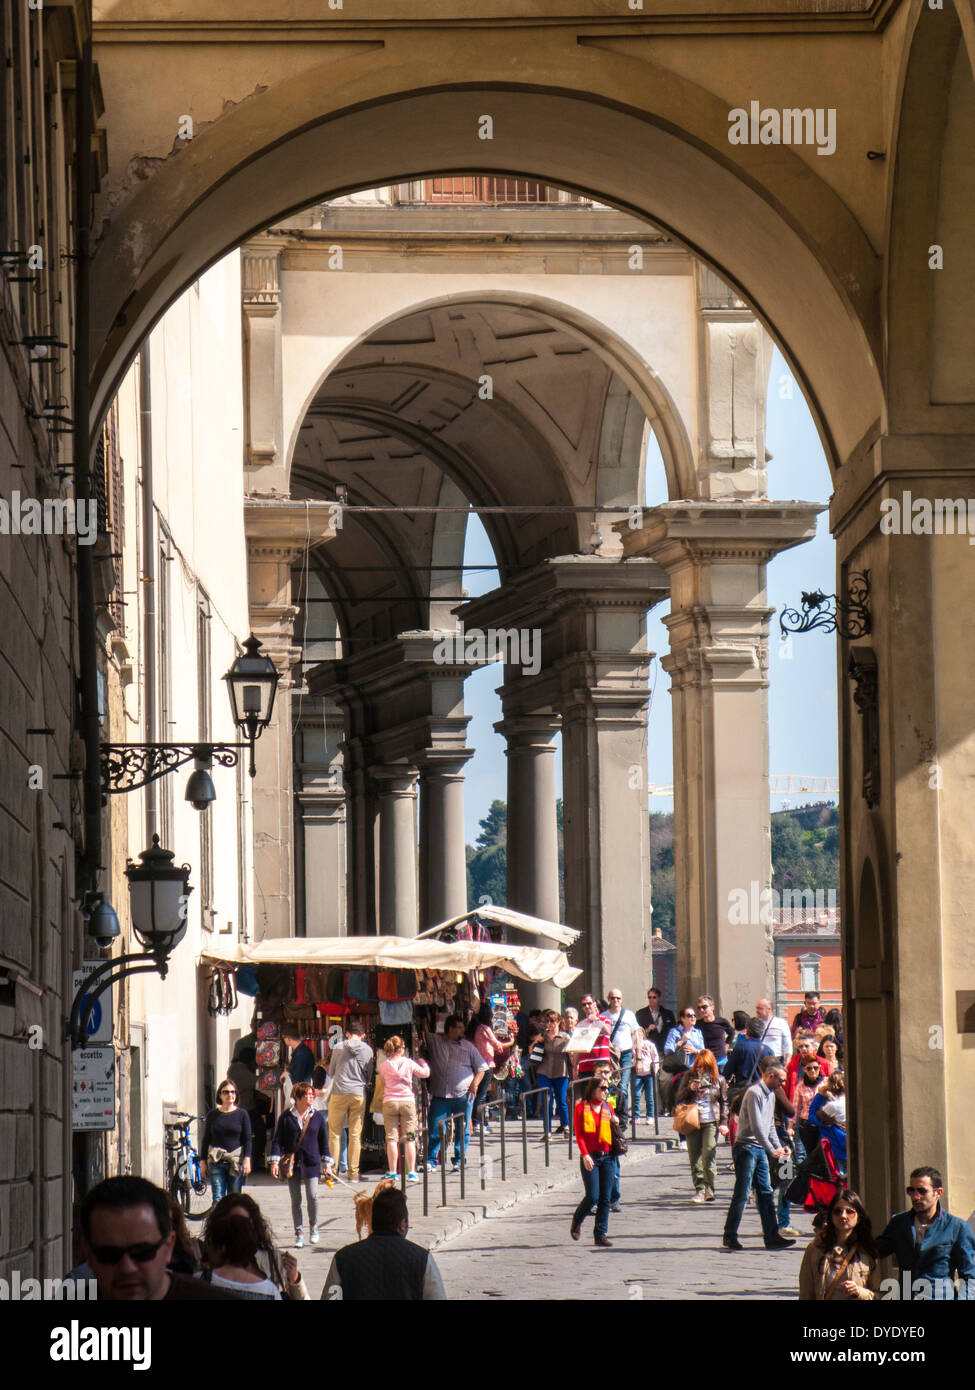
(148, 577)
(87, 630)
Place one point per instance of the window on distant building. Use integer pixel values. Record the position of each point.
(809, 972)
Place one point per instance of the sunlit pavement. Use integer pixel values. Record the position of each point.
(663, 1246)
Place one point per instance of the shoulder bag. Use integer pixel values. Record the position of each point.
(619, 1146)
(286, 1163)
(687, 1117)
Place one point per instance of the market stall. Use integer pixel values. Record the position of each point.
(390, 984)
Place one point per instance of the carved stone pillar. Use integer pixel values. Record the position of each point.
(716, 554)
(276, 534)
(261, 309)
(734, 355)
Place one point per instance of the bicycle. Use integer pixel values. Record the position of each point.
(184, 1177)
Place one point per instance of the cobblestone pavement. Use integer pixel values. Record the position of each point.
(663, 1247)
(511, 1241)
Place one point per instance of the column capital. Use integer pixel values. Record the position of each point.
(395, 781)
(679, 535)
(444, 764)
(524, 732)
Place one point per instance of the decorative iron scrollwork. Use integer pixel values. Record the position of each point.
(864, 674)
(849, 617)
(126, 766)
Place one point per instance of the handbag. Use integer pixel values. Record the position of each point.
(619, 1146)
(687, 1117)
(286, 1163)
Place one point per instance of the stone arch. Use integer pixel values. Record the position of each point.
(648, 390)
(772, 228)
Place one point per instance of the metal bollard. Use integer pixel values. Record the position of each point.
(463, 1150)
(524, 1132)
(480, 1128)
(504, 1153)
(442, 1156)
(547, 1126)
(426, 1174)
(656, 1106)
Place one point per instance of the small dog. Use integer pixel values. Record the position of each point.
(363, 1207)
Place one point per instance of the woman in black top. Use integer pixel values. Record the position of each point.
(226, 1144)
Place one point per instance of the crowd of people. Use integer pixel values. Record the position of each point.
(773, 1090)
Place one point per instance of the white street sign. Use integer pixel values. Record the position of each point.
(94, 1088)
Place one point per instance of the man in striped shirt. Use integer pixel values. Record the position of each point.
(600, 1052)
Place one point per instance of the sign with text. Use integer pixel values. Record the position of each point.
(584, 1037)
(94, 1088)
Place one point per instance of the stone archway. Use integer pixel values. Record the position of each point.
(773, 228)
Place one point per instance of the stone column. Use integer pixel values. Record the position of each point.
(908, 768)
(716, 554)
(533, 844)
(320, 820)
(276, 534)
(443, 860)
(398, 898)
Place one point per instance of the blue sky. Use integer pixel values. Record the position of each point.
(802, 693)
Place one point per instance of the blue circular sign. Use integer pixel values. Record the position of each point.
(95, 1020)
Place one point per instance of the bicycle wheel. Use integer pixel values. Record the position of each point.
(195, 1199)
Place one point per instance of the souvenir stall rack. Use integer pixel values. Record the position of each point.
(391, 985)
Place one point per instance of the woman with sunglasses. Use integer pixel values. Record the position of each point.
(840, 1263)
(594, 1135)
(226, 1143)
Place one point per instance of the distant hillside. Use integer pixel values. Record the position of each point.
(805, 854)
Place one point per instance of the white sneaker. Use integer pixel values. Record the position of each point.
(299, 1241)
(698, 1198)
(314, 1235)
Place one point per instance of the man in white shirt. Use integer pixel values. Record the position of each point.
(776, 1032)
(622, 1022)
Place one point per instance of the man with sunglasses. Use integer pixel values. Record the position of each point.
(128, 1238)
(930, 1245)
(655, 1020)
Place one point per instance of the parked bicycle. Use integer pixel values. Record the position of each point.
(184, 1176)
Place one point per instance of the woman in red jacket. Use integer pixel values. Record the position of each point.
(594, 1135)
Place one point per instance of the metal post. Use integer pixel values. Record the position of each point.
(426, 1173)
(463, 1152)
(656, 1106)
(504, 1156)
(443, 1154)
(633, 1105)
(547, 1124)
(523, 1102)
(480, 1125)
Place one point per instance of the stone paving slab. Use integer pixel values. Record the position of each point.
(337, 1212)
(664, 1248)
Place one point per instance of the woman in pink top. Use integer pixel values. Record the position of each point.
(399, 1108)
(492, 1049)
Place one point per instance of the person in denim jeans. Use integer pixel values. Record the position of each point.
(226, 1143)
(755, 1142)
(596, 1160)
(553, 1070)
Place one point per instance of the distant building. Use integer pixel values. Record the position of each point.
(807, 956)
(664, 970)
